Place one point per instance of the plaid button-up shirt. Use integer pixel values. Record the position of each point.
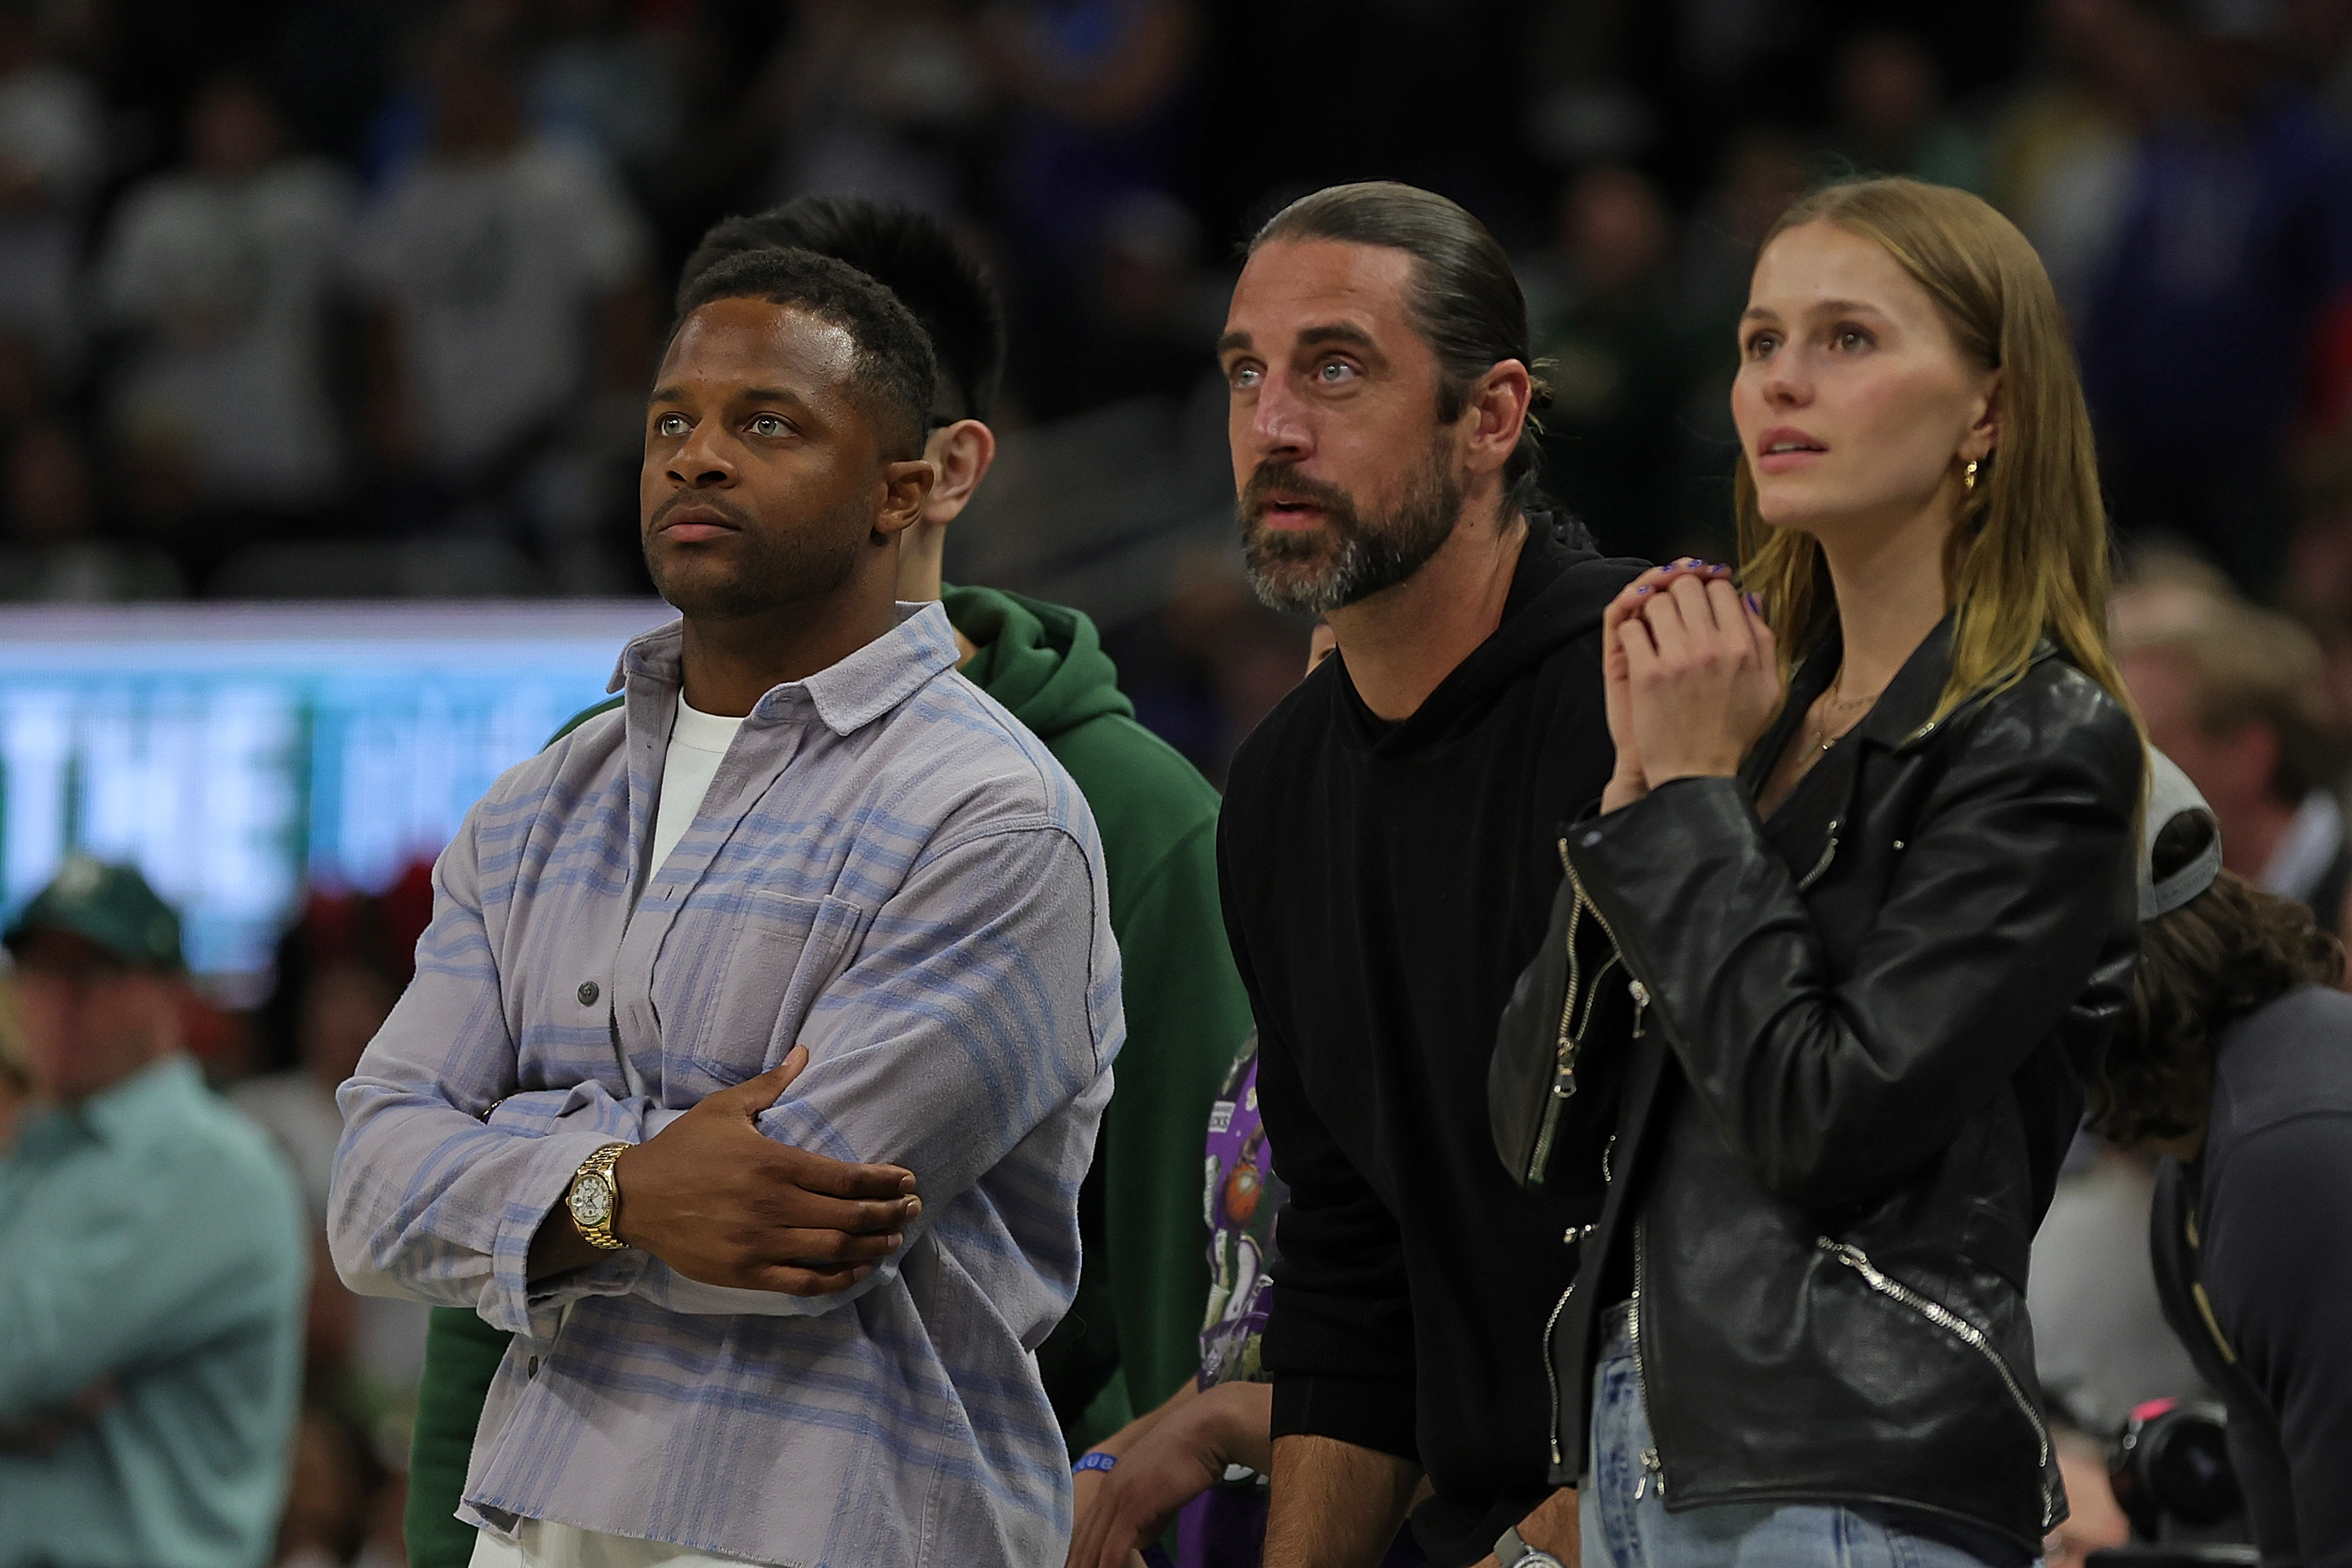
(889, 869)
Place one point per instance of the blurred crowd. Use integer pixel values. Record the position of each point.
(347, 297)
(320, 299)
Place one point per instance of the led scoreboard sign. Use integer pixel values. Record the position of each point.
(236, 754)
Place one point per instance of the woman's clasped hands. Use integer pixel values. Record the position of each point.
(1692, 677)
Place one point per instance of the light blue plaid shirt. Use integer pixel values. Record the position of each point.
(889, 869)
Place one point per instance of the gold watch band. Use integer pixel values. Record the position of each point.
(599, 1165)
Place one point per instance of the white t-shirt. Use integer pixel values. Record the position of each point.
(496, 265)
(697, 744)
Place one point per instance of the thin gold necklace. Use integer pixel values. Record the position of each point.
(1822, 739)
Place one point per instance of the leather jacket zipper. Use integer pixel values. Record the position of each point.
(1829, 853)
(1551, 1372)
(1570, 1043)
(1959, 1328)
(1652, 1463)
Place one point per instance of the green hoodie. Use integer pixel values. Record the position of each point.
(1133, 1334)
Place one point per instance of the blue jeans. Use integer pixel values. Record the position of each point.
(1622, 1507)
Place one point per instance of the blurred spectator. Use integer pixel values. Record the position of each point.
(340, 970)
(15, 1067)
(509, 277)
(1891, 117)
(872, 97)
(2317, 581)
(2101, 1346)
(2236, 696)
(1620, 361)
(51, 549)
(1099, 88)
(2195, 337)
(1763, 171)
(2063, 147)
(336, 1505)
(2317, 45)
(1151, 320)
(216, 275)
(150, 1308)
(52, 152)
(611, 86)
(1100, 103)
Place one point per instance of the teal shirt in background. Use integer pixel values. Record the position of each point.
(151, 1236)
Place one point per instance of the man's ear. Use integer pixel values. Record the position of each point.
(963, 453)
(1496, 412)
(906, 491)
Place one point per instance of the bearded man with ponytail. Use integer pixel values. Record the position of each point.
(1390, 853)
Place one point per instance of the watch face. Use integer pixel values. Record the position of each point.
(592, 1201)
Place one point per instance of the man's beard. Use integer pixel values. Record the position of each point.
(774, 568)
(1301, 572)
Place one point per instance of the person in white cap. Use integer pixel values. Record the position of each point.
(2234, 1063)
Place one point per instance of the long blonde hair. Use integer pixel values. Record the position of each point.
(2027, 556)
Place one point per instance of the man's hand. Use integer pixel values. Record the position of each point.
(720, 1202)
(1175, 1459)
(1552, 1528)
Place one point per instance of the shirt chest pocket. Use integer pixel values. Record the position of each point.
(781, 952)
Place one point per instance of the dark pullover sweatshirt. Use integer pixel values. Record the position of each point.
(1384, 884)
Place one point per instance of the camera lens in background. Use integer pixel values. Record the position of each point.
(2172, 1466)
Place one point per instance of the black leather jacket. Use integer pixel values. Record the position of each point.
(1861, 1034)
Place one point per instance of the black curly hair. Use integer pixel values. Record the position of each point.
(911, 253)
(2230, 950)
(893, 369)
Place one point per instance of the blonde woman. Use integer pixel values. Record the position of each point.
(1867, 861)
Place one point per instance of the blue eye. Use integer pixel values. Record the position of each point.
(671, 424)
(1335, 372)
(1247, 376)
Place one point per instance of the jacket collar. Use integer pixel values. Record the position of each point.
(848, 696)
(1905, 713)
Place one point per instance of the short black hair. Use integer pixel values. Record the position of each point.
(893, 368)
(911, 253)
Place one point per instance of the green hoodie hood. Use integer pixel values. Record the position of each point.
(1045, 662)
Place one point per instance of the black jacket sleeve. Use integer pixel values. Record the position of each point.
(1831, 1088)
(1339, 1341)
(2278, 1265)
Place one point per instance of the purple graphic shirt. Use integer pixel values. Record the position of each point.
(1241, 1199)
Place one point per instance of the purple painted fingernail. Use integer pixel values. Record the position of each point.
(1639, 591)
(1755, 603)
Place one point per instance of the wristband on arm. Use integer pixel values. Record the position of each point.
(1094, 1462)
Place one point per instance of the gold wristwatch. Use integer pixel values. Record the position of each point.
(594, 1197)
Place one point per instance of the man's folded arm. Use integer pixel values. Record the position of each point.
(983, 999)
(428, 1199)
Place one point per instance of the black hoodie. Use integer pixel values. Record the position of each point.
(1384, 884)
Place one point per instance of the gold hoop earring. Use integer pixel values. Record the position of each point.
(1968, 475)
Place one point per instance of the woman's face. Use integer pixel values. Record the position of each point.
(1855, 409)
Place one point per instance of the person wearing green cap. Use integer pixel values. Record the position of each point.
(150, 1306)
